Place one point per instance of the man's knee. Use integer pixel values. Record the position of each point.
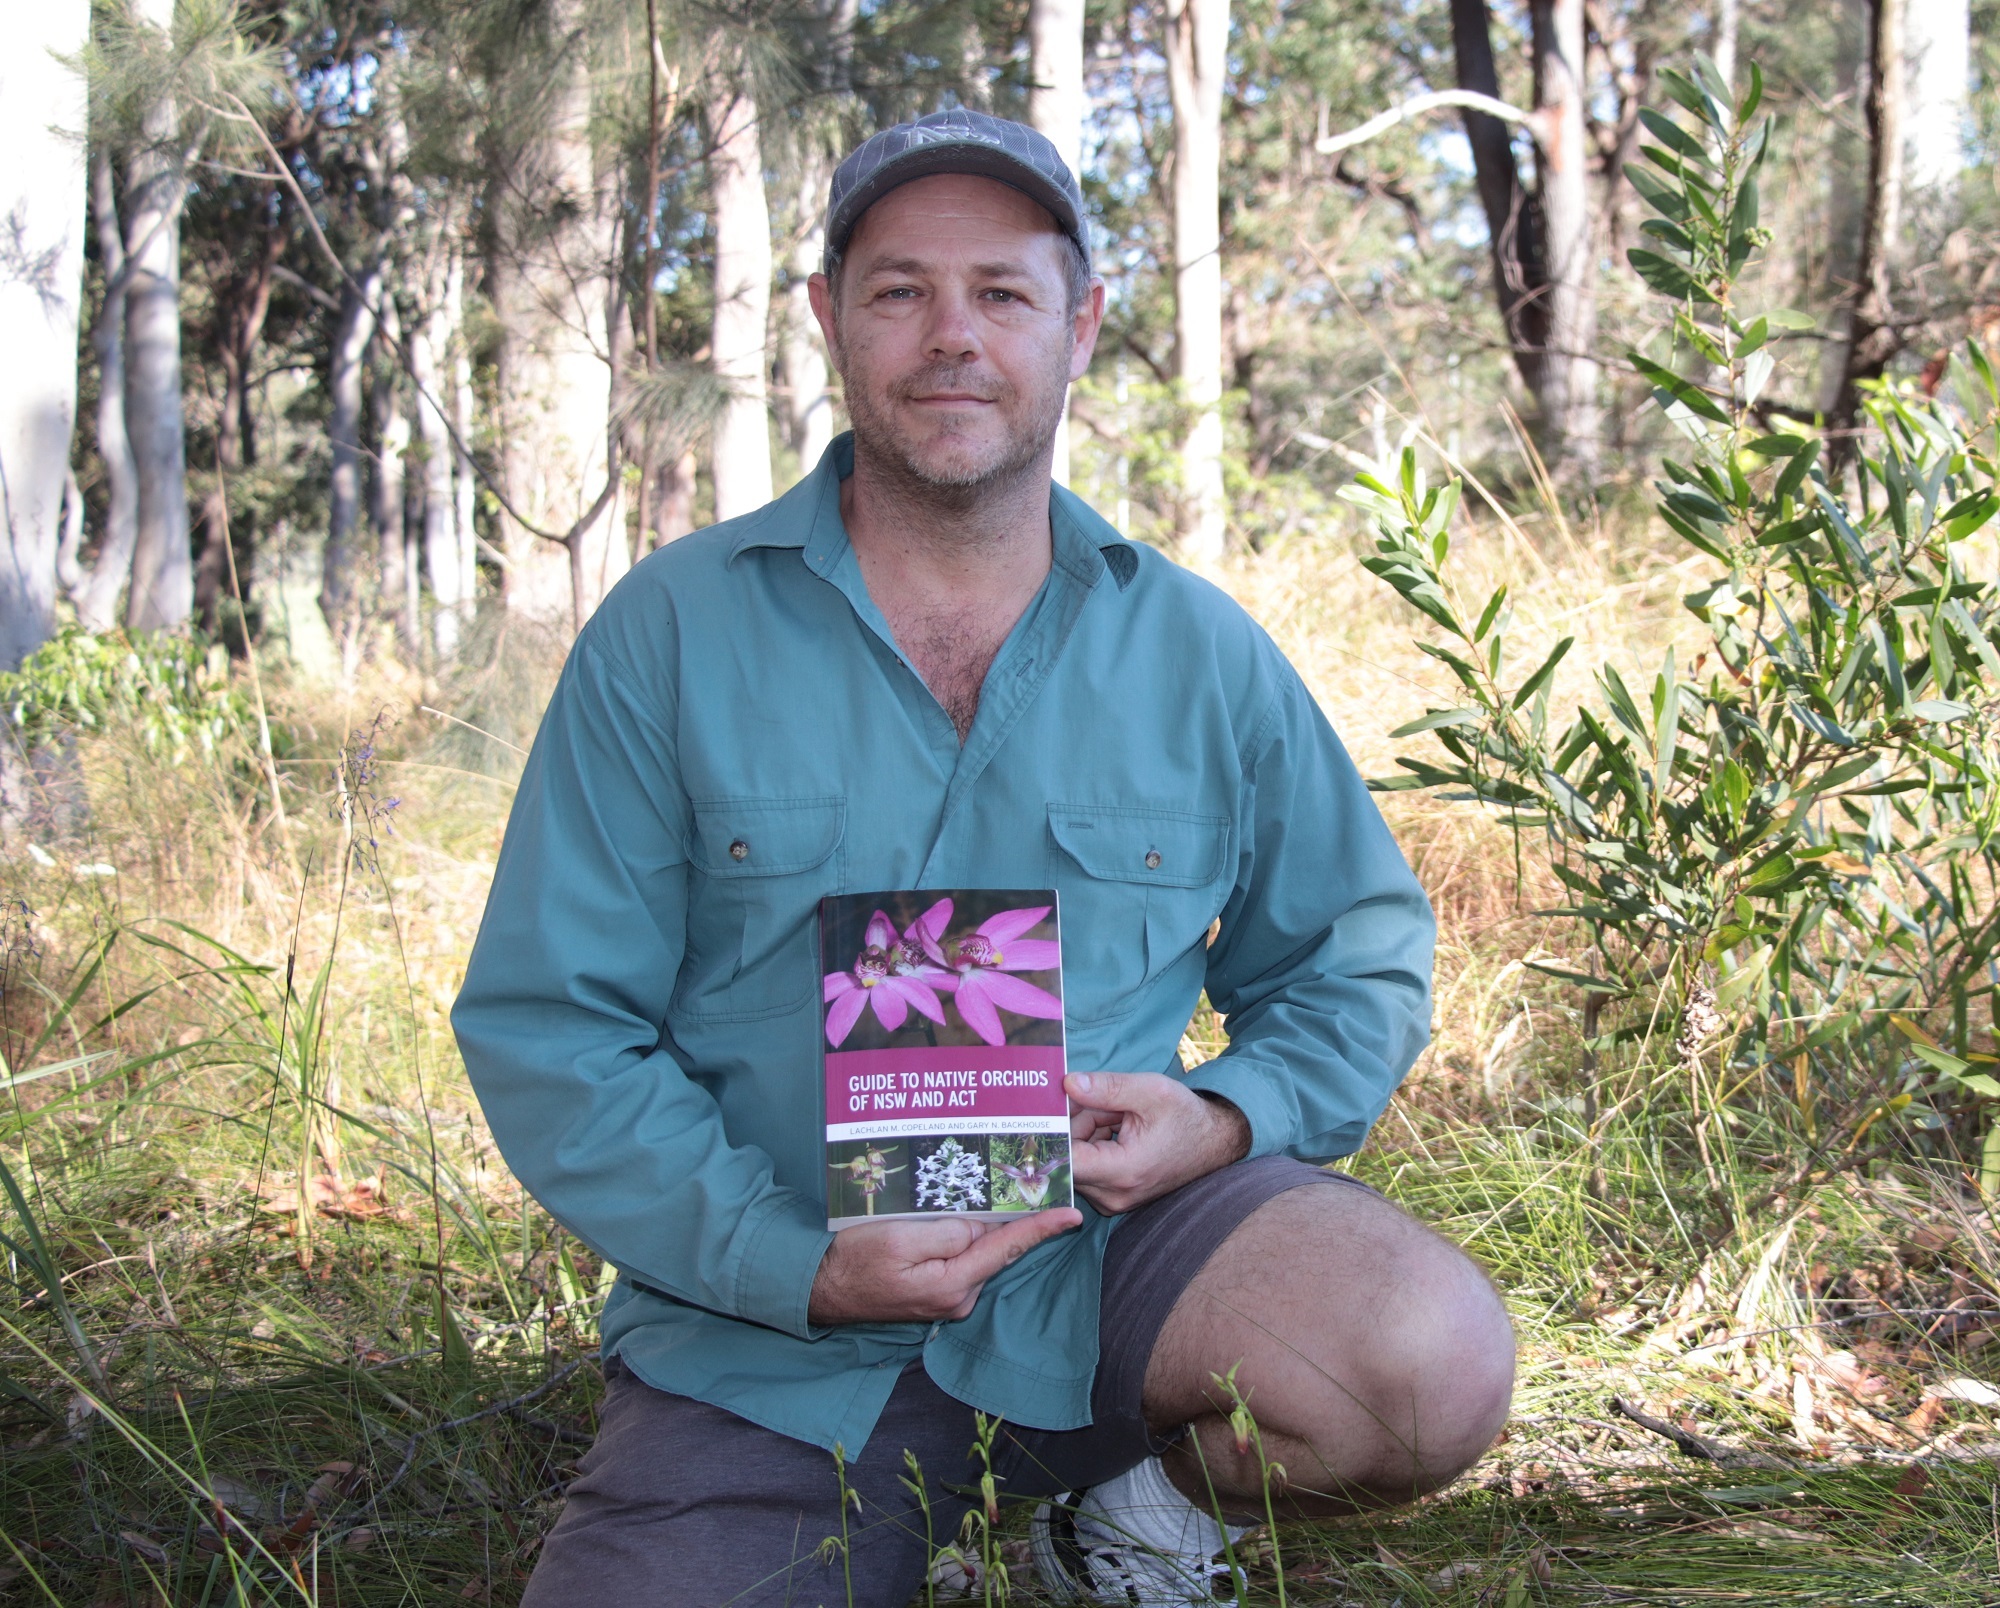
(1430, 1381)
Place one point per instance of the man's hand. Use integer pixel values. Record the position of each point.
(921, 1271)
(1135, 1136)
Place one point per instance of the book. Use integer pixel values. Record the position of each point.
(941, 1031)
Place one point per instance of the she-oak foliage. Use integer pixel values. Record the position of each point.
(1799, 828)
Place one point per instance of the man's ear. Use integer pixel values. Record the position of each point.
(1084, 327)
(820, 293)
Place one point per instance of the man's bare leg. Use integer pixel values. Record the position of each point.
(1376, 1356)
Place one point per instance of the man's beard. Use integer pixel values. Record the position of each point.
(927, 470)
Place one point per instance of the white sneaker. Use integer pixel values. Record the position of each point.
(1134, 1541)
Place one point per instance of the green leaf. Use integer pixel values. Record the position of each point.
(1540, 678)
(1776, 446)
(1661, 196)
(1789, 318)
(1491, 612)
(1439, 718)
(1674, 137)
(1669, 278)
(1684, 391)
(1940, 711)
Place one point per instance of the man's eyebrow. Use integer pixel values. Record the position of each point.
(1007, 268)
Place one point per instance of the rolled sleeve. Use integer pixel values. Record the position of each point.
(562, 1020)
(1322, 968)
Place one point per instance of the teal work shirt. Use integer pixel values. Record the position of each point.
(639, 1015)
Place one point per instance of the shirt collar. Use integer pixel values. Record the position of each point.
(808, 517)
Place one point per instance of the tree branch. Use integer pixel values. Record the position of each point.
(1416, 106)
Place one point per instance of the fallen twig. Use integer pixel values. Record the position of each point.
(1693, 1445)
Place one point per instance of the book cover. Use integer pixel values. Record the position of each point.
(942, 1031)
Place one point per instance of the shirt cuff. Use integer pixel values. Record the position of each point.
(782, 1247)
(1267, 1103)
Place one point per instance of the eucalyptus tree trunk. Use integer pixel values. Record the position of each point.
(1872, 339)
(387, 488)
(742, 440)
(353, 329)
(96, 595)
(1197, 48)
(43, 194)
(1513, 214)
(1568, 393)
(430, 343)
(1056, 109)
(552, 274)
(1937, 50)
(1728, 24)
(454, 570)
(162, 589)
(802, 365)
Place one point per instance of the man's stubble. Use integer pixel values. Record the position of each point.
(912, 471)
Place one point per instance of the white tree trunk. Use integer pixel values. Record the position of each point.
(1728, 23)
(1197, 50)
(555, 239)
(1569, 390)
(96, 596)
(454, 569)
(162, 591)
(429, 358)
(1056, 109)
(742, 305)
(801, 361)
(387, 490)
(353, 329)
(1937, 51)
(42, 209)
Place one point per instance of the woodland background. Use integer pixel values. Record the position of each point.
(354, 351)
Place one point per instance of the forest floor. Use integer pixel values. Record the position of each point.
(228, 1378)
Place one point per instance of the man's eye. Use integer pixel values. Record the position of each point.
(899, 292)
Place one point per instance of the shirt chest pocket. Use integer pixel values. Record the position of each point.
(758, 869)
(1139, 888)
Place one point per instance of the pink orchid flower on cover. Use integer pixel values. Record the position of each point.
(892, 976)
(982, 961)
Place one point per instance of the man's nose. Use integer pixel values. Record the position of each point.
(953, 332)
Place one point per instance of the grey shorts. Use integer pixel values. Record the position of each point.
(683, 1505)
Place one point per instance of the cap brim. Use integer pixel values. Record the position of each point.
(952, 156)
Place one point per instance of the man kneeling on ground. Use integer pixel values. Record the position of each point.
(926, 667)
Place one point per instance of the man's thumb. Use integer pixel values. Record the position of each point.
(1101, 1091)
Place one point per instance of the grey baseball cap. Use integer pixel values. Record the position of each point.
(957, 141)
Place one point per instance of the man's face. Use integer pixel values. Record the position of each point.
(952, 330)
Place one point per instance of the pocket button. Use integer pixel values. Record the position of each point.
(1152, 859)
(739, 850)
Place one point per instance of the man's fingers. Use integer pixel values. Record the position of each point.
(1109, 1091)
(994, 1249)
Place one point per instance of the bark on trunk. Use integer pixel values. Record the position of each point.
(43, 193)
(97, 597)
(802, 365)
(387, 491)
(552, 265)
(452, 562)
(352, 331)
(1056, 109)
(1873, 338)
(676, 497)
(1197, 46)
(1569, 371)
(429, 358)
(739, 331)
(1513, 217)
(1728, 20)
(162, 590)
